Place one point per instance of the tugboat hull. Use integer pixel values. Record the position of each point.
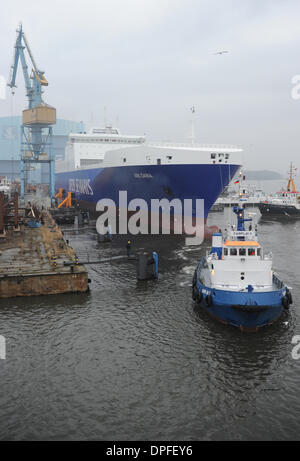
(245, 320)
(279, 211)
(247, 311)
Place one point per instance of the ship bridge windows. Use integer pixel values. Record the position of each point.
(106, 130)
(242, 252)
(221, 157)
(89, 161)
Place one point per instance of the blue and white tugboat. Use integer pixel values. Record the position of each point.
(235, 282)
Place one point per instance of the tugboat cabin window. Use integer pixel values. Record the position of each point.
(233, 251)
(242, 252)
(251, 252)
(212, 155)
(225, 251)
(258, 251)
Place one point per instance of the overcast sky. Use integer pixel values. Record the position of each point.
(149, 61)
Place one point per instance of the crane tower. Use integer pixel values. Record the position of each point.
(37, 119)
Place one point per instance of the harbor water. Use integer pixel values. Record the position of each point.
(138, 361)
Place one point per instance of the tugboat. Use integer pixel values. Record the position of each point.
(285, 204)
(249, 194)
(235, 282)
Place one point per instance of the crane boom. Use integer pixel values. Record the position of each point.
(19, 54)
(33, 90)
(30, 53)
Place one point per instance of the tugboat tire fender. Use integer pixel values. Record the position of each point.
(199, 298)
(208, 300)
(289, 297)
(194, 278)
(194, 293)
(285, 302)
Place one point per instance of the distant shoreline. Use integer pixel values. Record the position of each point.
(262, 175)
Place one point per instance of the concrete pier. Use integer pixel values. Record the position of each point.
(32, 262)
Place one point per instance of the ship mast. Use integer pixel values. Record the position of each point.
(240, 212)
(291, 184)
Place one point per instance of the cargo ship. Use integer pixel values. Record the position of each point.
(101, 163)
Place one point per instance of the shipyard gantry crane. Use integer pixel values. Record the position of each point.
(38, 118)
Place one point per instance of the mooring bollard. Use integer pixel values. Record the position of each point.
(147, 267)
(104, 234)
(104, 238)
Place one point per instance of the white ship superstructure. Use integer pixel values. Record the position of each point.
(86, 149)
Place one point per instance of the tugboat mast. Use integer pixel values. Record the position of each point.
(291, 184)
(240, 212)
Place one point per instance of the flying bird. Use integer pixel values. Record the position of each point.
(222, 52)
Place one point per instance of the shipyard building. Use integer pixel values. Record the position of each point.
(10, 147)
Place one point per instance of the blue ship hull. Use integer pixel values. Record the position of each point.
(248, 311)
(204, 181)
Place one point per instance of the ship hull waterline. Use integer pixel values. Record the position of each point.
(249, 311)
(278, 211)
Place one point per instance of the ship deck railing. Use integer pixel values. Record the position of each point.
(248, 235)
(196, 145)
(238, 288)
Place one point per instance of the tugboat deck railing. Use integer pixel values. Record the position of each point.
(247, 235)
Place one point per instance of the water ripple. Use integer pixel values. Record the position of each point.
(132, 361)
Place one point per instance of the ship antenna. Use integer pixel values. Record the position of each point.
(193, 136)
(105, 116)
